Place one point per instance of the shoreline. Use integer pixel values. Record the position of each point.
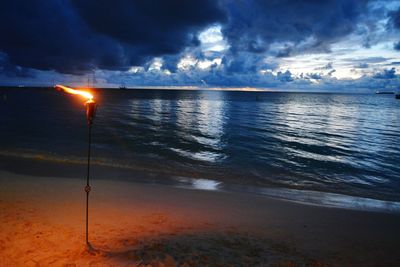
(39, 165)
(131, 223)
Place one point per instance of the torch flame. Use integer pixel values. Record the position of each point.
(69, 90)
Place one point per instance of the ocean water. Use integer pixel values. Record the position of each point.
(346, 144)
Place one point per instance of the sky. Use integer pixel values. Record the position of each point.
(326, 45)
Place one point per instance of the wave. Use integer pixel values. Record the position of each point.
(308, 197)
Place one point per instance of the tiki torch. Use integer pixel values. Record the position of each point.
(91, 107)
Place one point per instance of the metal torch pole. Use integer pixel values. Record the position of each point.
(87, 188)
(90, 113)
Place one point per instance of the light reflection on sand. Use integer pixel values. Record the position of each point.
(324, 199)
(306, 197)
(200, 184)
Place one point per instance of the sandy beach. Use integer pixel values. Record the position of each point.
(131, 224)
(213, 133)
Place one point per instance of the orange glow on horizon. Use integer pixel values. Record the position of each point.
(69, 90)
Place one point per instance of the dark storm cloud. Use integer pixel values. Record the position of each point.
(235, 65)
(255, 24)
(394, 22)
(48, 35)
(77, 36)
(156, 27)
(394, 19)
(10, 70)
(285, 52)
(245, 63)
(397, 46)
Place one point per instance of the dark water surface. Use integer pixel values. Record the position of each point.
(339, 143)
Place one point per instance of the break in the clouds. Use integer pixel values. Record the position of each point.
(290, 44)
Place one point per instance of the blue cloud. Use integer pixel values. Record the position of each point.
(253, 25)
(394, 22)
(285, 76)
(386, 74)
(362, 65)
(397, 46)
(10, 70)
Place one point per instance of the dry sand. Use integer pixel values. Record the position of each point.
(42, 224)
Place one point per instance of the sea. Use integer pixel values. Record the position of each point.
(332, 149)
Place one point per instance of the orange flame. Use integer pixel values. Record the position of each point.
(69, 90)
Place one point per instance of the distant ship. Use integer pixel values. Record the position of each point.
(384, 92)
(397, 96)
(122, 87)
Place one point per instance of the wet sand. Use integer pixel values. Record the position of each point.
(132, 224)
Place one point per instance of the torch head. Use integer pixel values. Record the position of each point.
(91, 107)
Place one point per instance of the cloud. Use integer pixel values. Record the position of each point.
(396, 46)
(246, 62)
(78, 36)
(255, 24)
(362, 65)
(313, 76)
(285, 52)
(394, 22)
(368, 59)
(328, 66)
(154, 27)
(394, 19)
(285, 76)
(10, 70)
(331, 72)
(386, 74)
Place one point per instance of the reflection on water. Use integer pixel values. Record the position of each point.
(338, 143)
(211, 120)
(200, 127)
